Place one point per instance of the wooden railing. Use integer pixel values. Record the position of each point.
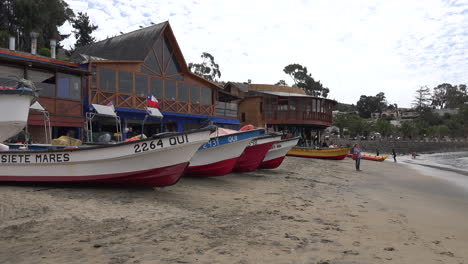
(298, 116)
(139, 102)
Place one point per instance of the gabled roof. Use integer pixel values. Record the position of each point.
(134, 45)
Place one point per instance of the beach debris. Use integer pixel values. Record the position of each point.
(351, 252)
(447, 253)
(323, 262)
(97, 245)
(325, 241)
(437, 242)
(389, 249)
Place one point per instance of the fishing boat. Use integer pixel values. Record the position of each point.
(156, 161)
(277, 153)
(14, 109)
(370, 157)
(219, 156)
(321, 153)
(255, 152)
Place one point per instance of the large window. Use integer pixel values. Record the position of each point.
(170, 89)
(182, 92)
(141, 85)
(68, 86)
(125, 82)
(106, 80)
(206, 96)
(157, 87)
(44, 81)
(9, 75)
(194, 94)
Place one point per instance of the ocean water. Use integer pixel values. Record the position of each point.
(450, 166)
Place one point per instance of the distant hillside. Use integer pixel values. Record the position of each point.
(344, 107)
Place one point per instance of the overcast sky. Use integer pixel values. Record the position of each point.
(353, 47)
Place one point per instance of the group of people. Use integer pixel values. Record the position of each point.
(356, 152)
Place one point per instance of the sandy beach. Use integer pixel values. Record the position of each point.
(306, 211)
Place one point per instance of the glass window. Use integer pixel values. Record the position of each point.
(167, 52)
(141, 85)
(157, 87)
(318, 106)
(194, 94)
(314, 105)
(68, 86)
(182, 92)
(125, 82)
(177, 77)
(158, 48)
(145, 70)
(106, 80)
(173, 67)
(170, 89)
(151, 62)
(206, 95)
(8, 75)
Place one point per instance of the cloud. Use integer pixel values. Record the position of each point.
(352, 47)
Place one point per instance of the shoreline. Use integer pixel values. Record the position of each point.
(306, 211)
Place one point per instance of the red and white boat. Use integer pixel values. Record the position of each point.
(219, 156)
(254, 154)
(277, 152)
(157, 161)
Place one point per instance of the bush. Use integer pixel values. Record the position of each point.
(44, 52)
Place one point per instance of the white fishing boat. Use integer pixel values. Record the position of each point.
(156, 161)
(219, 156)
(277, 152)
(14, 110)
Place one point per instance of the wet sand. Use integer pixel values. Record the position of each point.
(306, 211)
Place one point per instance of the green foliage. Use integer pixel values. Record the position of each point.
(409, 129)
(4, 39)
(44, 52)
(83, 30)
(282, 83)
(371, 104)
(303, 80)
(355, 124)
(449, 96)
(21, 17)
(383, 127)
(422, 98)
(208, 69)
(344, 107)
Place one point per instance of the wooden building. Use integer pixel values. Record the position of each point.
(282, 108)
(61, 92)
(126, 68)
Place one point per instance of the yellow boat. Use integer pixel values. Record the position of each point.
(324, 153)
(370, 157)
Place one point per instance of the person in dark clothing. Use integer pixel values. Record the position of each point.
(357, 156)
(394, 155)
(377, 152)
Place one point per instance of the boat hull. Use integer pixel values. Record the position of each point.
(332, 153)
(14, 111)
(254, 154)
(370, 157)
(219, 156)
(159, 161)
(277, 152)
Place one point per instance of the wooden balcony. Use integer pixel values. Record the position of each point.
(298, 118)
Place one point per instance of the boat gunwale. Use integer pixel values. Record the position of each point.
(154, 137)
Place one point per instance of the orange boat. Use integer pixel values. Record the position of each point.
(323, 153)
(369, 157)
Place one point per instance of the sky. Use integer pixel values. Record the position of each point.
(359, 47)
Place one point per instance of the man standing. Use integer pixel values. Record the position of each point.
(394, 155)
(357, 156)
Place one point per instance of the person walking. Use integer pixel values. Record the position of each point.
(394, 155)
(357, 156)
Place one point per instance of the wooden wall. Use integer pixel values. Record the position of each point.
(250, 107)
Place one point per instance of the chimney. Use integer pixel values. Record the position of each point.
(53, 44)
(34, 36)
(12, 43)
(249, 81)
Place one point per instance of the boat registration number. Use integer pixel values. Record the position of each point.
(156, 144)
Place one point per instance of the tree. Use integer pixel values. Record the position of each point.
(83, 30)
(282, 83)
(208, 69)
(20, 17)
(408, 129)
(371, 104)
(384, 127)
(303, 80)
(422, 98)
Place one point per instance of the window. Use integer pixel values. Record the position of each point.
(157, 87)
(182, 92)
(125, 82)
(170, 89)
(261, 107)
(243, 117)
(152, 63)
(106, 80)
(44, 81)
(68, 86)
(167, 52)
(206, 96)
(173, 67)
(146, 71)
(141, 85)
(8, 75)
(194, 94)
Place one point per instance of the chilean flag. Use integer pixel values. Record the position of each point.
(151, 101)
